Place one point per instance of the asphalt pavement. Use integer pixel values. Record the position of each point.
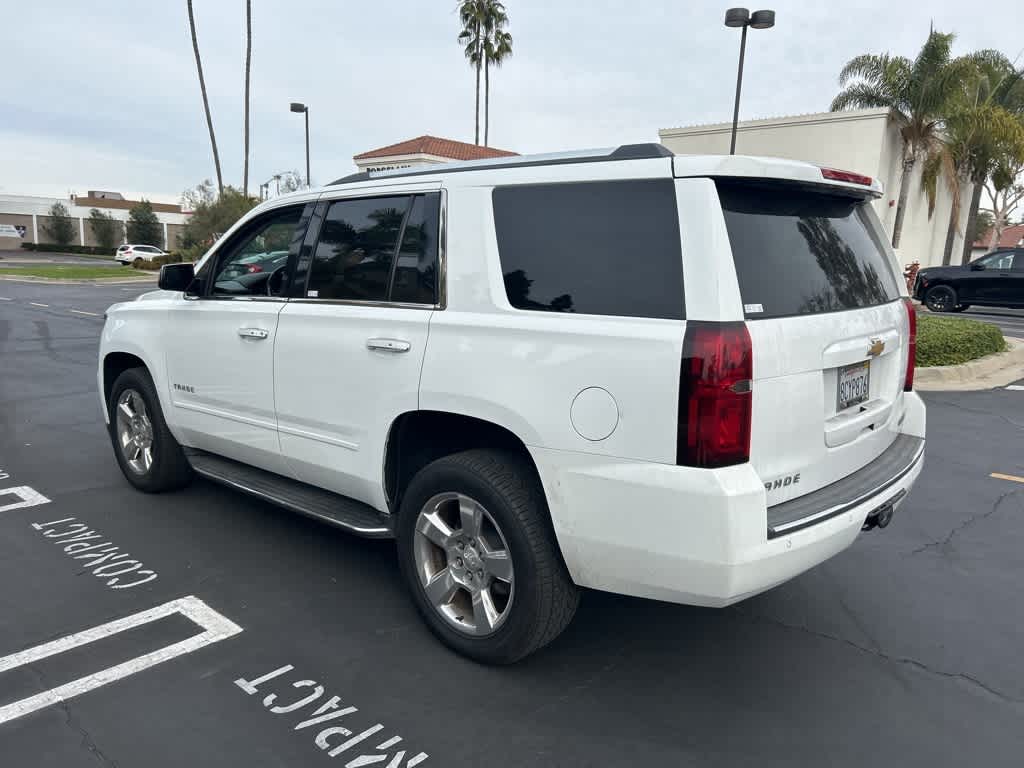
(1010, 321)
(247, 633)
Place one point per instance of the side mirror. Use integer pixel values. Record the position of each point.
(975, 267)
(176, 277)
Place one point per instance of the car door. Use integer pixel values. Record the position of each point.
(986, 279)
(351, 340)
(1015, 294)
(220, 343)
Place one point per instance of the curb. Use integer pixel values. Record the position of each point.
(79, 280)
(988, 372)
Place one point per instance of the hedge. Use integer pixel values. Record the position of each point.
(89, 250)
(949, 341)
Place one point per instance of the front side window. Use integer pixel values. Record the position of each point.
(1000, 262)
(254, 263)
(599, 248)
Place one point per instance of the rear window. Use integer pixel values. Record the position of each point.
(599, 248)
(801, 252)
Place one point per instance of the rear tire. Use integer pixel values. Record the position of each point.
(941, 298)
(149, 456)
(530, 598)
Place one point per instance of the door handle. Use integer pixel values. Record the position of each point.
(253, 333)
(388, 345)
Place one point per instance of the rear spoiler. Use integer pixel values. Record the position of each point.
(777, 169)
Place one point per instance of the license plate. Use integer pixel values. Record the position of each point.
(853, 386)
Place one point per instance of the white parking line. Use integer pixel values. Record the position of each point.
(5, 298)
(37, 304)
(83, 312)
(216, 626)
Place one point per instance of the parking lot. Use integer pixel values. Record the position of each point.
(207, 628)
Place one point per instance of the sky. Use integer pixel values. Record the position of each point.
(105, 95)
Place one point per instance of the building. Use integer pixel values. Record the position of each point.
(865, 141)
(1012, 237)
(423, 151)
(23, 219)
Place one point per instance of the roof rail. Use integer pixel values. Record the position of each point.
(623, 152)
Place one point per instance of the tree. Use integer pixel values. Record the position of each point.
(200, 193)
(917, 93)
(60, 228)
(206, 101)
(143, 226)
(1005, 190)
(289, 181)
(212, 218)
(977, 131)
(105, 228)
(473, 16)
(982, 226)
(248, 69)
(497, 48)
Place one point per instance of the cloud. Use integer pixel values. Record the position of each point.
(112, 99)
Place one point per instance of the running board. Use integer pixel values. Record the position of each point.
(349, 514)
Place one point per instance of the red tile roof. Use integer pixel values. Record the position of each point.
(432, 145)
(1011, 236)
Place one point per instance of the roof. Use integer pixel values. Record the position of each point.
(109, 202)
(432, 145)
(1011, 237)
(809, 118)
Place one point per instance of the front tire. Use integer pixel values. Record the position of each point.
(149, 456)
(941, 298)
(479, 557)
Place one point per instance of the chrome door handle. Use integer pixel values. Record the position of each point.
(253, 333)
(388, 345)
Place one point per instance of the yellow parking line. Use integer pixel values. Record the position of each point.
(1011, 478)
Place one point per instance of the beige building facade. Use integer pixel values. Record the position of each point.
(865, 141)
(24, 218)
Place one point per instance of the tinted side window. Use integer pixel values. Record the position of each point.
(601, 248)
(800, 252)
(416, 268)
(356, 249)
(1000, 262)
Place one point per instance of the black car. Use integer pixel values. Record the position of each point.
(994, 280)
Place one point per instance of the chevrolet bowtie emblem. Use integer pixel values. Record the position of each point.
(877, 345)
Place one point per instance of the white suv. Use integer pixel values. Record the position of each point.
(129, 254)
(681, 378)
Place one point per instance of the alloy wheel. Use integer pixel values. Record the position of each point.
(134, 431)
(463, 563)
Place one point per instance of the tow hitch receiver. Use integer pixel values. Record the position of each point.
(881, 515)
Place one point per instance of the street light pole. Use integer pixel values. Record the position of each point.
(741, 17)
(299, 107)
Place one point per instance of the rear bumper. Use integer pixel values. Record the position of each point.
(702, 536)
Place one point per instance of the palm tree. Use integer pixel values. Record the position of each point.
(473, 15)
(917, 93)
(497, 48)
(206, 101)
(248, 68)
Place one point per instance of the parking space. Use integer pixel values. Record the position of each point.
(242, 635)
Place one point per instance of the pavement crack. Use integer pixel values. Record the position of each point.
(965, 524)
(902, 660)
(982, 411)
(69, 720)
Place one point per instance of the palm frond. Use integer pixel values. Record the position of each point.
(860, 96)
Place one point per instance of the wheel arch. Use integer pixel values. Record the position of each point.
(417, 438)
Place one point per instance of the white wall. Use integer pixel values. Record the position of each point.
(864, 141)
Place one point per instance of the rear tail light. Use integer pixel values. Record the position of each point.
(715, 395)
(848, 176)
(908, 381)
